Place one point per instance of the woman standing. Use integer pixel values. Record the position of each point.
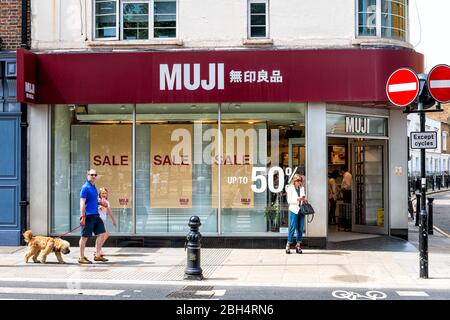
(295, 197)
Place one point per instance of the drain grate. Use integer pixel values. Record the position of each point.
(189, 295)
(193, 292)
(198, 288)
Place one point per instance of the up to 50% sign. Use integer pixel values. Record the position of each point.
(270, 178)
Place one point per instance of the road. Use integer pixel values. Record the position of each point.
(441, 211)
(10, 290)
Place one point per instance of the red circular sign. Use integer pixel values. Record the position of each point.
(402, 87)
(439, 83)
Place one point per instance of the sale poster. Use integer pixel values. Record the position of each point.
(236, 161)
(171, 166)
(110, 156)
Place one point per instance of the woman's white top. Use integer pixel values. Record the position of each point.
(103, 211)
(292, 198)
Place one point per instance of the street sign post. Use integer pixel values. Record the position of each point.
(423, 140)
(402, 87)
(439, 83)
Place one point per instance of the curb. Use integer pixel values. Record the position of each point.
(441, 232)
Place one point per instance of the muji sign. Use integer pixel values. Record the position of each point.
(439, 83)
(402, 87)
(188, 76)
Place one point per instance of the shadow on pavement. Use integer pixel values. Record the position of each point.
(374, 244)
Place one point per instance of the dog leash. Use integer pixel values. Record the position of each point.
(70, 231)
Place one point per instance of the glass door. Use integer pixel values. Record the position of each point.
(369, 211)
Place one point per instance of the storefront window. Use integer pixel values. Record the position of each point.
(273, 139)
(173, 182)
(97, 137)
(179, 171)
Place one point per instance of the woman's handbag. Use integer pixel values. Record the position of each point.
(307, 209)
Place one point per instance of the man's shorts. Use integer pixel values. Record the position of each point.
(94, 224)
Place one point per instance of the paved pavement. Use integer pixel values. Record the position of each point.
(379, 262)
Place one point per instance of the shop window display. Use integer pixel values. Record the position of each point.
(179, 171)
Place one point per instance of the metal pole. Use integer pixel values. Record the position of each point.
(423, 230)
(418, 196)
(430, 215)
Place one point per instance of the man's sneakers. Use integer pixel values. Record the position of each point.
(100, 259)
(84, 260)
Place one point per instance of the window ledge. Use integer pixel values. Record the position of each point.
(131, 43)
(257, 42)
(372, 42)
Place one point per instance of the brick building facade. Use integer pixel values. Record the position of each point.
(11, 24)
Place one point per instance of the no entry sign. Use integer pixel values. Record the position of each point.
(439, 83)
(402, 87)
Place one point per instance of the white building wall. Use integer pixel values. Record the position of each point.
(432, 156)
(39, 177)
(316, 167)
(68, 24)
(398, 184)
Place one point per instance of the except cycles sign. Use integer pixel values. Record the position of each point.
(424, 140)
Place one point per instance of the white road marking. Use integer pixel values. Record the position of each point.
(137, 291)
(60, 291)
(412, 294)
(436, 84)
(409, 86)
(219, 293)
(216, 293)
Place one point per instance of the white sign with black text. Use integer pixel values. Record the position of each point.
(424, 140)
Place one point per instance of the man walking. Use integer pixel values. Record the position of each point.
(90, 219)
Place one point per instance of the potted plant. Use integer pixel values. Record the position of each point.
(271, 213)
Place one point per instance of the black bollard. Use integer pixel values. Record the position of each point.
(418, 196)
(430, 215)
(194, 237)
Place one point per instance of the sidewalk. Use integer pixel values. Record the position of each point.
(379, 262)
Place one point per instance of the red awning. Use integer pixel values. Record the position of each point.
(341, 76)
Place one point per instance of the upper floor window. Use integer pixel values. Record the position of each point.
(382, 18)
(258, 19)
(135, 19)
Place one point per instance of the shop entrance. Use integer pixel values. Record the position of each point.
(357, 190)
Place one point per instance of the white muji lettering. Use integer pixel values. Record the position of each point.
(357, 125)
(169, 78)
(190, 77)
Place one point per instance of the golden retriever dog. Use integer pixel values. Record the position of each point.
(47, 245)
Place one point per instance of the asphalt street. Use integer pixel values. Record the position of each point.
(441, 211)
(13, 290)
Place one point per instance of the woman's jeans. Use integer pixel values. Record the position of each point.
(296, 222)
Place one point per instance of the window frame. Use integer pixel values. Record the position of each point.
(124, 2)
(94, 24)
(249, 16)
(119, 21)
(378, 35)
